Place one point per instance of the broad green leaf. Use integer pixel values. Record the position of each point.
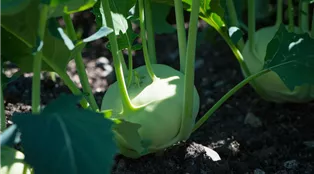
(160, 13)
(19, 53)
(12, 162)
(23, 25)
(127, 137)
(11, 7)
(67, 139)
(291, 56)
(159, 20)
(61, 7)
(10, 136)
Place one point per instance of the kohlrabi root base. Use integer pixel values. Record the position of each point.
(161, 108)
(272, 86)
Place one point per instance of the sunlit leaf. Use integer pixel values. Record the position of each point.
(61, 7)
(12, 162)
(291, 56)
(10, 136)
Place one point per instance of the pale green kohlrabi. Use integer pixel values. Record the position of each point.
(272, 86)
(12, 162)
(161, 106)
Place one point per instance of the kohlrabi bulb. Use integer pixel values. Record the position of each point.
(272, 86)
(12, 162)
(160, 114)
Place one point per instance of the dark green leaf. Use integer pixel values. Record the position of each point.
(54, 48)
(11, 7)
(235, 34)
(23, 25)
(159, 20)
(12, 161)
(10, 136)
(291, 56)
(66, 139)
(308, 1)
(126, 136)
(160, 13)
(128, 132)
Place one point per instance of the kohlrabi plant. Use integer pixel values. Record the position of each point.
(149, 108)
(271, 86)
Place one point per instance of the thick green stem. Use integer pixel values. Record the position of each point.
(150, 31)
(312, 27)
(37, 61)
(304, 16)
(124, 67)
(181, 33)
(80, 64)
(67, 80)
(234, 21)
(279, 12)
(226, 97)
(143, 37)
(188, 97)
(130, 58)
(290, 16)
(126, 102)
(251, 24)
(3, 119)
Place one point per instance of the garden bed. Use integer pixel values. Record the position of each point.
(248, 133)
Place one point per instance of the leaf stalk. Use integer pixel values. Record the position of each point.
(150, 32)
(222, 100)
(80, 64)
(234, 20)
(126, 102)
(181, 33)
(188, 97)
(37, 60)
(144, 39)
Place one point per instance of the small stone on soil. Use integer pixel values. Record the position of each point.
(252, 120)
(196, 149)
(292, 164)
